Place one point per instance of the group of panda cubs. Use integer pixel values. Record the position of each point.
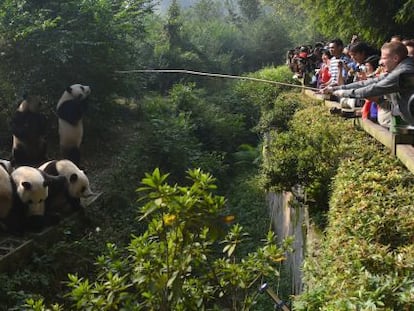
(34, 192)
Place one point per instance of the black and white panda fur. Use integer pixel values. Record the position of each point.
(70, 110)
(7, 165)
(30, 191)
(6, 196)
(66, 200)
(29, 127)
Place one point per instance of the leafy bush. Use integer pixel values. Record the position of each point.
(262, 94)
(307, 154)
(216, 127)
(366, 259)
(184, 130)
(284, 107)
(48, 45)
(181, 262)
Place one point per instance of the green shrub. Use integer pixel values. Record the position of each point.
(365, 261)
(284, 107)
(307, 154)
(182, 261)
(263, 94)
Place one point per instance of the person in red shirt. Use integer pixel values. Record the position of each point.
(324, 74)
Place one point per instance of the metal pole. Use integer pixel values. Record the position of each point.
(275, 298)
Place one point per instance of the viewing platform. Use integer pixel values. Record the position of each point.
(400, 144)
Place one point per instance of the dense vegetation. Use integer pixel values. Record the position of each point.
(368, 249)
(176, 123)
(177, 264)
(365, 259)
(372, 20)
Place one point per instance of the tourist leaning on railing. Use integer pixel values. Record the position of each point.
(397, 83)
(369, 71)
(323, 73)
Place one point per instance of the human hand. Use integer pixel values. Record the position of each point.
(326, 90)
(339, 93)
(354, 39)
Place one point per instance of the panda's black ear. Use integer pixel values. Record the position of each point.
(73, 178)
(69, 89)
(26, 185)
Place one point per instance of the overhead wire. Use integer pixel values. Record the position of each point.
(217, 75)
(226, 76)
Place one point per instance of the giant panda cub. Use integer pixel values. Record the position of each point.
(64, 200)
(29, 127)
(31, 189)
(70, 109)
(6, 194)
(7, 165)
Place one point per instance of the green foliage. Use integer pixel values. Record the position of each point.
(250, 9)
(176, 264)
(296, 20)
(263, 94)
(217, 127)
(204, 38)
(265, 43)
(49, 44)
(365, 261)
(247, 202)
(278, 117)
(405, 15)
(188, 129)
(307, 154)
(246, 156)
(375, 21)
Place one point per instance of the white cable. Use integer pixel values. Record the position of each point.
(213, 75)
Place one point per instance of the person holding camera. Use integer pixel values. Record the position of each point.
(397, 83)
(359, 52)
(338, 61)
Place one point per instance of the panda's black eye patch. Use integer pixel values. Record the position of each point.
(83, 189)
(82, 88)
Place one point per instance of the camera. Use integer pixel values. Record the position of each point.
(361, 68)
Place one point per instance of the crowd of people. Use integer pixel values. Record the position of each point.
(371, 83)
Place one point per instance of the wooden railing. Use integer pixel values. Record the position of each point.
(400, 144)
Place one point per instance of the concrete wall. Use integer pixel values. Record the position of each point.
(290, 218)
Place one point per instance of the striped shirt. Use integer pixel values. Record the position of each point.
(334, 70)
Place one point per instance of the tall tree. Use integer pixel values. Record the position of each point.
(405, 14)
(250, 9)
(49, 44)
(374, 20)
(174, 23)
(294, 18)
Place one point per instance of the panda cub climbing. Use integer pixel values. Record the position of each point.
(70, 110)
(64, 200)
(29, 127)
